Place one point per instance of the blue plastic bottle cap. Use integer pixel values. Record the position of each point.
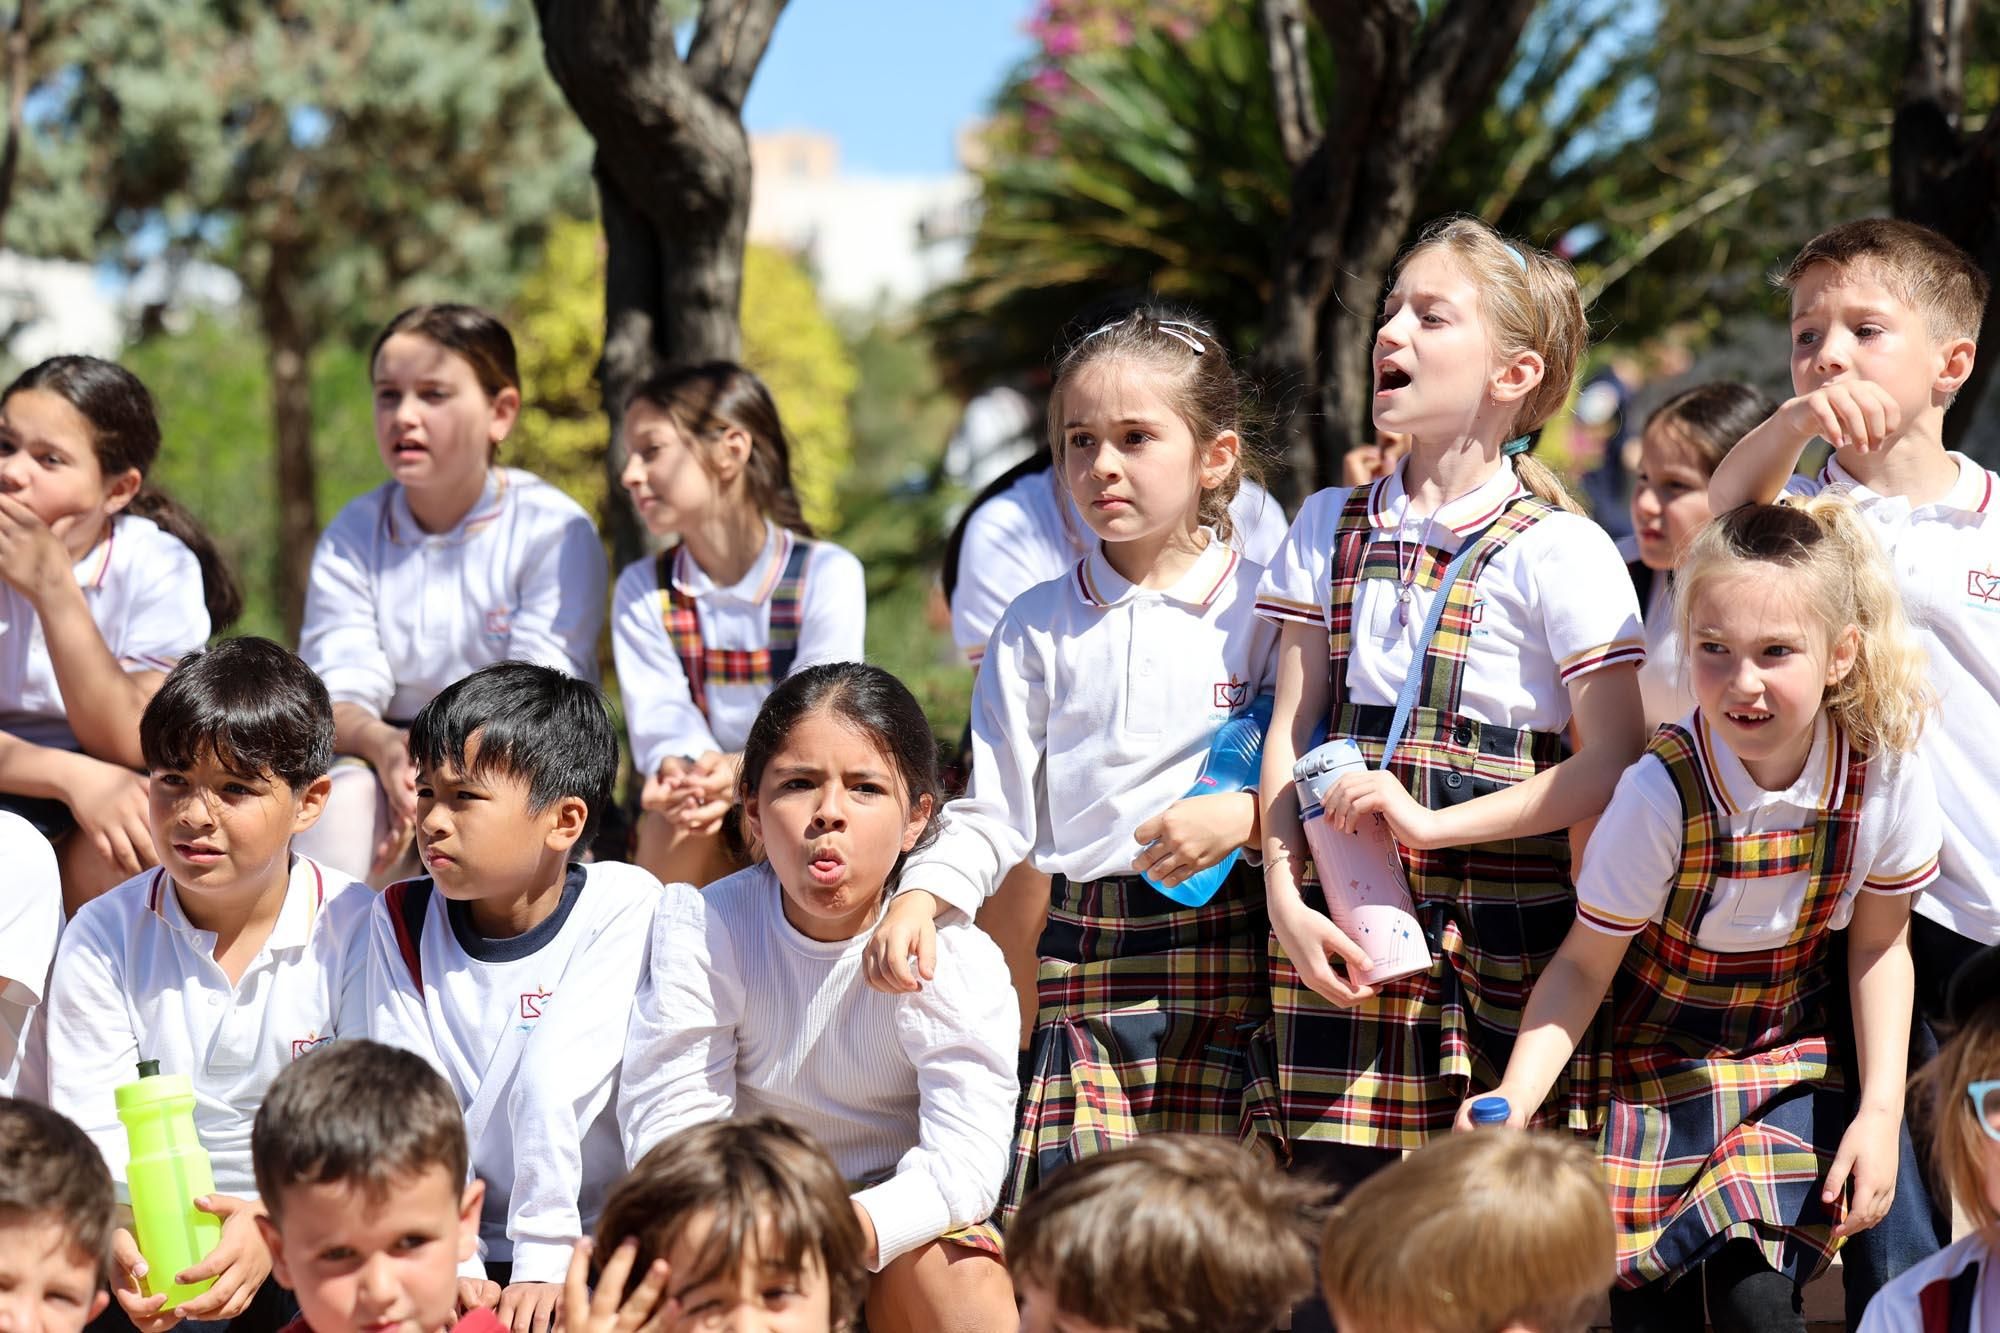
(1491, 1111)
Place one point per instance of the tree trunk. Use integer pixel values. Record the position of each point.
(288, 348)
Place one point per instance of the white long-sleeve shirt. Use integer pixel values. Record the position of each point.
(1093, 713)
(394, 614)
(659, 707)
(475, 1008)
(741, 1013)
(31, 921)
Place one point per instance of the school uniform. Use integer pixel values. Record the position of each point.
(1541, 602)
(1956, 1290)
(1092, 714)
(474, 1006)
(1031, 533)
(697, 660)
(31, 921)
(911, 1095)
(135, 980)
(394, 614)
(1727, 1098)
(1665, 687)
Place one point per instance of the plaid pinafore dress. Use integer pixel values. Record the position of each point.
(1393, 1071)
(701, 664)
(1726, 1102)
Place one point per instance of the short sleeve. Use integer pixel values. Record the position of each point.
(1257, 523)
(1907, 860)
(1589, 609)
(167, 616)
(31, 911)
(1634, 853)
(833, 623)
(1002, 555)
(1297, 581)
(1799, 487)
(93, 1042)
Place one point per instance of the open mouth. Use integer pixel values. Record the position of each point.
(1747, 717)
(1388, 379)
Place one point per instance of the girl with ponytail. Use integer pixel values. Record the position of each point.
(705, 630)
(104, 583)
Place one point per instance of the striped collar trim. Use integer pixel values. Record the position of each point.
(1821, 785)
(757, 583)
(1388, 503)
(1098, 585)
(1973, 492)
(404, 530)
(95, 567)
(294, 925)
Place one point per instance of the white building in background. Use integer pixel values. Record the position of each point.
(869, 240)
(50, 307)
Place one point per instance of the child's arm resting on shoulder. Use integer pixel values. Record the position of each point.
(1857, 413)
(1881, 985)
(1562, 1006)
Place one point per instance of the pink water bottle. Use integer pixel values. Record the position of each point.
(1361, 873)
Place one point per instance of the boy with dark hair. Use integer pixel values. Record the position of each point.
(55, 1222)
(225, 963)
(514, 766)
(361, 1162)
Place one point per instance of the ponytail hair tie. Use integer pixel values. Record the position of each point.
(1520, 444)
(1519, 258)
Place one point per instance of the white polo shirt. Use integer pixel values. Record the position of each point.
(135, 980)
(1031, 533)
(143, 586)
(1946, 560)
(1553, 606)
(1092, 713)
(659, 709)
(394, 614)
(1635, 853)
(31, 920)
(1664, 681)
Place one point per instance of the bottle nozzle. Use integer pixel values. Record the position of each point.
(149, 1069)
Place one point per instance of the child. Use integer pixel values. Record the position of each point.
(56, 1208)
(755, 1001)
(1477, 1233)
(720, 1217)
(1092, 715)
(1885, 315)
(514, 768)
(1778, 812)
(31, 919)
(705, 630)
(225, 963)
(361, 1164)
(1955, 1290)
(1172, 1234)
(104, 584)
(1538, 634)
(452, 563)
(1683, 441)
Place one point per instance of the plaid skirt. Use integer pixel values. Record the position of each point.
(1145, 1019)
(1393, 1071)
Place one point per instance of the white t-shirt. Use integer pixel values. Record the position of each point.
(477, 1015)
(143, 586)
(1946, 560)
(394, 614)
(1898, 1307)
(136, 980)
(741, 1014)
(1554, 605)
(1093, 713)
(659, 707)
(1031, 533)
(31, 920)
(1635, 852)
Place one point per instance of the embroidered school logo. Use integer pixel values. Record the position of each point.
(1983, 586)
(304, 1044)
(532, 1002)
(497, 624)
(1232, 693)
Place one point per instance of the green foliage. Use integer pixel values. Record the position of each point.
(789, 341)
(558, 325)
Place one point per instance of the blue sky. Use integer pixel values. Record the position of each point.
(892, 80)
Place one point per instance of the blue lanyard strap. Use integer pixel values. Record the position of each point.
(1413, 681)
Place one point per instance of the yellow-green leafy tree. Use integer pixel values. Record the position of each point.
(790, 342)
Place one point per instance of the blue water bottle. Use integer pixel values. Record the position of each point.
(1233, 755)
(1490, 1111)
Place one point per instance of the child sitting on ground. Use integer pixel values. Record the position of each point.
(361, 1163)
(1478, 1233)
(55, 1222)
(1176, 1233)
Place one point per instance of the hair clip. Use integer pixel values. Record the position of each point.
(1520, 444)
(1172, 327)
(1519, 258)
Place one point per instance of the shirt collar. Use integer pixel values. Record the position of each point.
(305, 894)
(1973, 492)
(96, 562)
(757, 582)
(1099, 585)
(1388, 503)
(404, 530)
(1821, 784)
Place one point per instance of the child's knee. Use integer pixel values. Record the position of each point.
(944, 1286)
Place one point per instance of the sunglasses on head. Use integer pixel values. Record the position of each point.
(1985, 1096)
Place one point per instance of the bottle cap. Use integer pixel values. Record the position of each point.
(149, 1069)
(1491, 1111)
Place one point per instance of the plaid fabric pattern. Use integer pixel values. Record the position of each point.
(735, 666)
(1144, 1022)
(1393, 1071)
(1726, 1103)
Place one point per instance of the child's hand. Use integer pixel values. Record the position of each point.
(477, 1293)
(1193, 834)
(32, 557)
(1359, 795)
(127, 1285)
(109, 803)
(531, 1307)
(398, 776)
(1866, 1164)
(1852, 414)
(601, 1311)
(709, 786)
(662, 792)
(908, 927)
(239, 1263)
(1517, 1115)
(1310, 940)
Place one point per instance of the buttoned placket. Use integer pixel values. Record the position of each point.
(1145, 680)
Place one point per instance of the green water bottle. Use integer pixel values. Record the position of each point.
(169, 1170)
